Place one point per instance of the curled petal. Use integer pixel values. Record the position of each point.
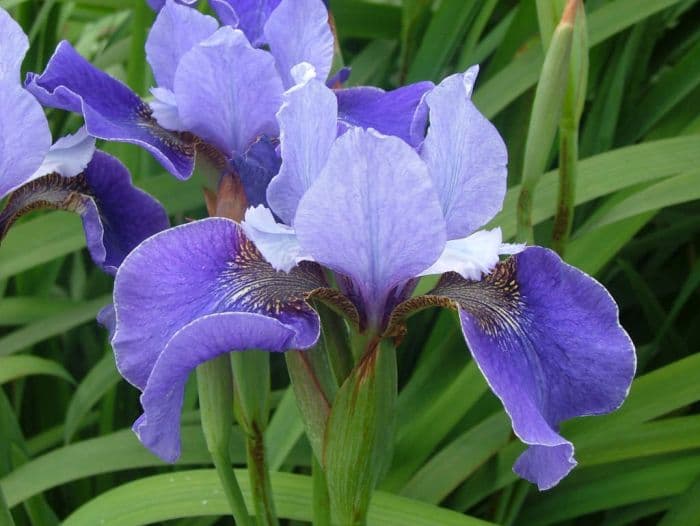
(194, 270)
(14, 47)
(111, 110)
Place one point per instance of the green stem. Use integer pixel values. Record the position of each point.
(5, 515)
(260, 486)
(215, 385)
(321, 501)
(568, 169)
(525, 234)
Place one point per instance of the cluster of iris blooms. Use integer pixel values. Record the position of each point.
(326, 197)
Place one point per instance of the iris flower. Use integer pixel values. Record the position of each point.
(217, 90)
(68, 175)
(378, 213)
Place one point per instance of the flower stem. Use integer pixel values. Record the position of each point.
(215, 385)
(568, 167)
(321, 502)
(261, 488)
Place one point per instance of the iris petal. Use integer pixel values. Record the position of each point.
(14, 47)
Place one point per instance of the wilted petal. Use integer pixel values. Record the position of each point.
(372, 215)
(111, 110)
(24, 136)
(470, 257)
(298, 31)
(194, 270)
(202, 340)
(256, 168)
(389, 112)
(177, 29)
(548, 340)
(466, 156)
(14, 46)
(69, 155)
(227, 92)
(308, 128)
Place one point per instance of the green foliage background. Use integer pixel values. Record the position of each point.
(66, 453)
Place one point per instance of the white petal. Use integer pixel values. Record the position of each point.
(68, 156)
(471, 257)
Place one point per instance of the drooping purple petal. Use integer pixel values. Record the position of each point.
(465, 155)
(24, 136)
(14, 46)
(247, 15)
(236, 93)
(298, 31)
(111, 110)
(308, 127)
(372, 215)
(177, 29)
(202, 340)
(389, 112)
(195, 270)
(256, 168)
(548, 340)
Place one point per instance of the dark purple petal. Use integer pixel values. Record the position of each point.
(339, 78)
(465, 155)
(177, 29)
(298, 31)
(157, 5)
(111, 110)
(389, 112)
(247, 15)
(256, 168)
(202, 340)
(548, 340)
(14, 46)
(194, 270)
(228, 92)
(372, 215)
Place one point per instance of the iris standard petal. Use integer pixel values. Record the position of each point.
(176, 30)
(157, 5)
(194, 270)
(24, 136)
(308, 128)
(247, 15)
(111, 110)
(389, 112)
(227, 92)
(14, 47)
(465, 155)
(298, 31)
(202, 340)
(372, 215)
(548, 340)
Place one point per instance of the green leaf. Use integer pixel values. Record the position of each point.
(685, 510)
(284, 431)
(14, 367)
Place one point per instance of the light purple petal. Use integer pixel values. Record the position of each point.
(247, 15)
(157, 5)
(298, 31)
(111, 110)
(372, 215)
(308, 126)
(177, 29)
(389, 112)
(465, 155)
(24, 136)
(227, 92)
(548, 340)
(164, 109)
(13, 49)
(202, 340)
(194, 270)
(69, 155)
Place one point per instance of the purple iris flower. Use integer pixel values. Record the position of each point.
(217, 91)
(378, 213)
(68, 175)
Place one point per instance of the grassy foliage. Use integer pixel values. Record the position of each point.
(66, 452)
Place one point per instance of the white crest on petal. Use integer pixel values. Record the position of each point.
(68, 156)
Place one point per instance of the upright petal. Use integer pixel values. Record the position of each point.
(308, 128)
(298, 31)
(548, 340)
(14, 46)
(194, 270)
(247, 15)
(111, 110)
(157, 5)
(227, 92)
(177, 29)
(465, 155)
(389, 112)
(24, 136)
(372, 215)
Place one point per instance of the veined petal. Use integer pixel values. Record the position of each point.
(256, 168)
(116, 215)
(298, 31)
(194, 270)
(177, 29)
(227, 92)
(111, 110)
(69, 155)
(470, 257)
(548, 340)
(247, 15)
(24, 136)
(389, 112)
(372, 215)
(199, 341)
(308, 127)
(465, 155)
(14, 47)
